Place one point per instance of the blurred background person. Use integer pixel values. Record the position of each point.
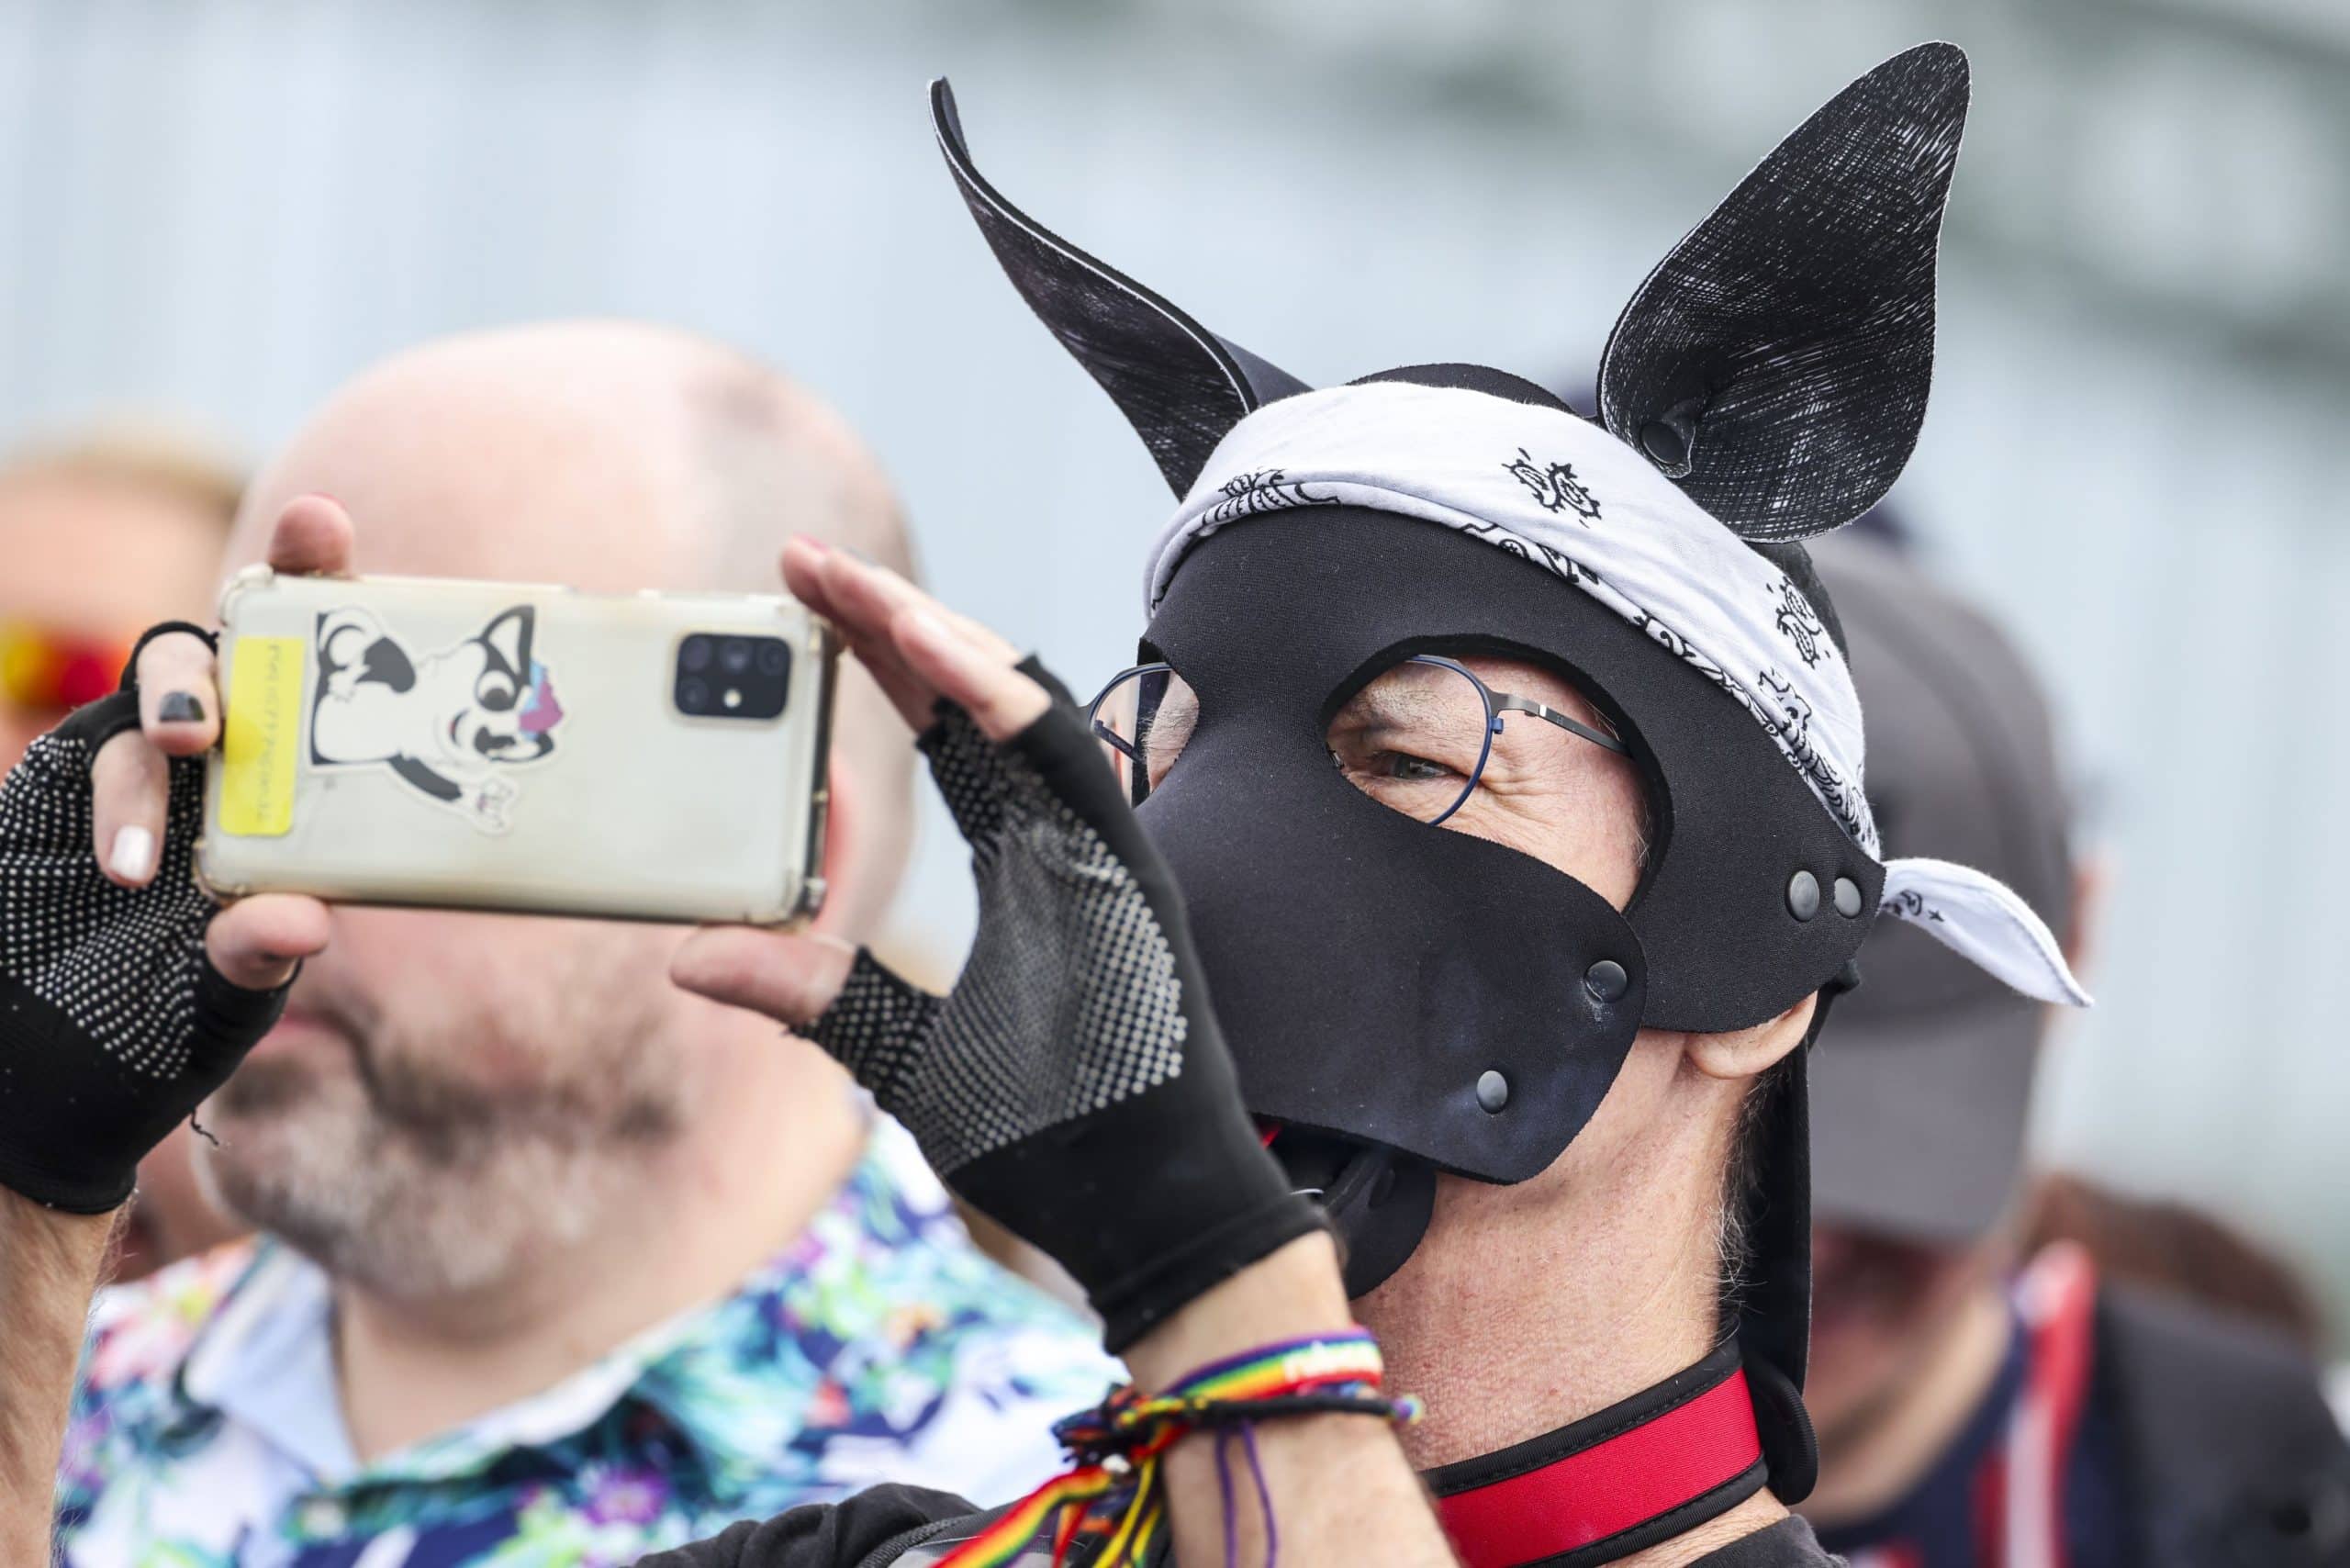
(101, 534)
(558, 1262)
(1977, 1403)
(2162, 1245)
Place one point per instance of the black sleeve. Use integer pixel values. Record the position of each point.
(822, 1535)
(2229, 1450)
(1787, 1544)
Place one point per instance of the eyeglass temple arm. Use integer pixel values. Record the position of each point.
(1109, 737)
(1504, 702)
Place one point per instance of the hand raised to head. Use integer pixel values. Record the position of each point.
(1073, 1085)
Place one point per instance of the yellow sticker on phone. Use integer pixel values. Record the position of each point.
(262, 737)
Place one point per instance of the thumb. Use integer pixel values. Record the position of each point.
(256, 943)
(790, 978)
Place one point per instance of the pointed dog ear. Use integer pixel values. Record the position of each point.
(508, 637)
(1178, 385)
(1775, 364)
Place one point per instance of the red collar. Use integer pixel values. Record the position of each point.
(1637, 1472)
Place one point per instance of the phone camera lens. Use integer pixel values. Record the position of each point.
(726, 675)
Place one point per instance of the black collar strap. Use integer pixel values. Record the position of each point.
(1639, 1471)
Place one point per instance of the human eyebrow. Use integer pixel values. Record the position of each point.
(1392, 702)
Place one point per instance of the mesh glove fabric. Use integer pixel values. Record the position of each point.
(114, 1025)
(1073, 1085)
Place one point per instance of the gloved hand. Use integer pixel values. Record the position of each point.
(1073, 1085)
(126, 997)
(113, 1023)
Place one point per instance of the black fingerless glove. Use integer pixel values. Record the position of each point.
(113, 1025)
(1073, 1085)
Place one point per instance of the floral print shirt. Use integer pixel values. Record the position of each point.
(880, 1346)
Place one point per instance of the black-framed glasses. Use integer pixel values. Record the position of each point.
(1417, 737)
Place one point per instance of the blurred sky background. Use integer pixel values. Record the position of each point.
(218, 209)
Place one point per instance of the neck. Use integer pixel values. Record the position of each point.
(1870, 1464)
(682, 1228)
(1611, 1263)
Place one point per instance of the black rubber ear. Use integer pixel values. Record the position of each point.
(1776, 363)
(1178, 385)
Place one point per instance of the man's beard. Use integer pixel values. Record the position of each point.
(402, 1172)
(1880, 1304)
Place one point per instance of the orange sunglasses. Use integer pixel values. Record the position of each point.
(46, 671)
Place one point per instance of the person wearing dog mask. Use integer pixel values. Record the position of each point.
(1509, 772)
(1976, 1404)
(559, 1259)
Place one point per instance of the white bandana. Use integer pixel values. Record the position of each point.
(1562, 493)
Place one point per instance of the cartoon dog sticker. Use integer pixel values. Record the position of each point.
(448, 724)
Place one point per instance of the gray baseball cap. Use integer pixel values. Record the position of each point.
(1921, 1080)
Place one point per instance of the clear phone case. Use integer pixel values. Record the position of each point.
(518, 746)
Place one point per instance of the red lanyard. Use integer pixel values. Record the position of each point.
(2020, 1485)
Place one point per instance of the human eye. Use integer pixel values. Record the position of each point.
(1406, 767)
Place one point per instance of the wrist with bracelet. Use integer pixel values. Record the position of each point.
(1115, 1489)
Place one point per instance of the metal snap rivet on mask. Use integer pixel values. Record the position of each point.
(1847, 897)
(1606, 980)
(1803, 895)
(1665, 446)
(1492, 1090)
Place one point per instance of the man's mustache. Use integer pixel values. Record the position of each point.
(400, 1088)
(406, 1087)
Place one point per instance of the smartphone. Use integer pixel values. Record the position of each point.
(515, 746)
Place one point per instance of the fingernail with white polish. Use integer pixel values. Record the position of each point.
(133, 855)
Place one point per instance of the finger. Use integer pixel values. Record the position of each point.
(790, 978)
(874, 596)
(803, 573)
(313, 537)
(838, 575)
(179, 702)
(864, 628)
(869, 600)
(976, 672)
(256, 942)
(130, 791)
(912, 697)
(864, 621)
(862, 601)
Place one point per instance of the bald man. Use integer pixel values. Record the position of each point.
(558, 1259)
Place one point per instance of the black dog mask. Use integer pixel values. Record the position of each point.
(1370, 972)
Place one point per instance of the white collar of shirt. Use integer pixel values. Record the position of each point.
(267, 1362)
